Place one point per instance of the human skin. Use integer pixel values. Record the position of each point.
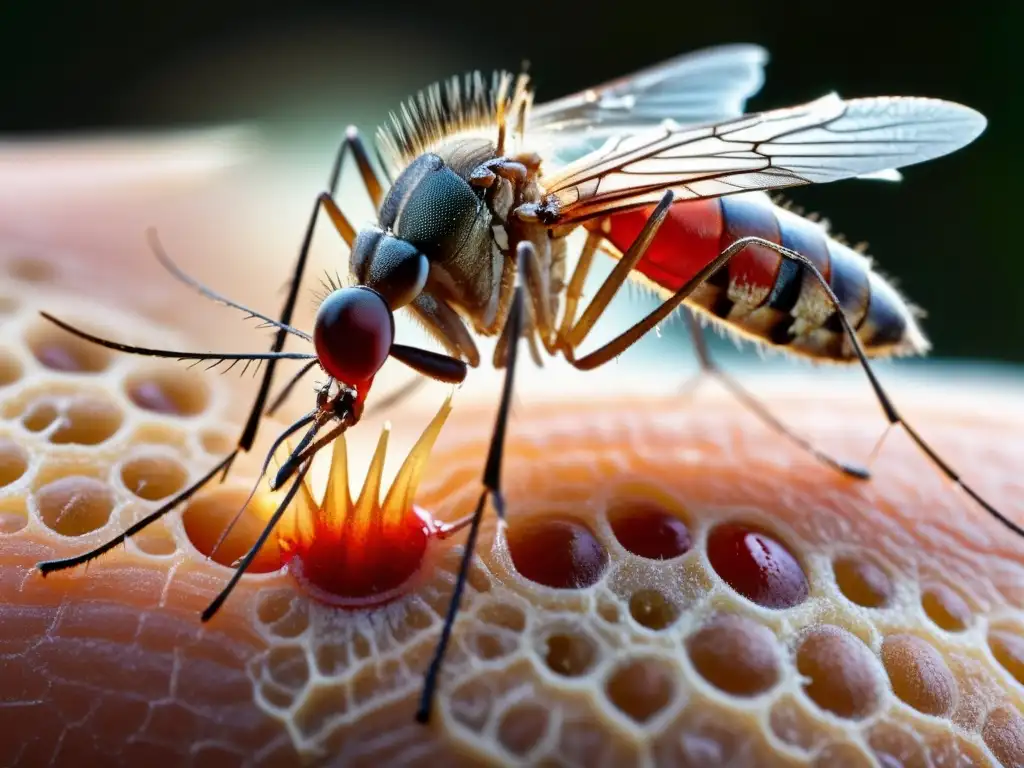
(112, 663)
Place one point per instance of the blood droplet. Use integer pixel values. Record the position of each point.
(757, 566)
(649, 531)
(560, 552)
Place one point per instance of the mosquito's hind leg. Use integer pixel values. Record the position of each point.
(708, 367)
(631, 335)
(492, 490)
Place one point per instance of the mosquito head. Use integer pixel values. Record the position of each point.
(426, 217)
(353, 333)
(394, 267)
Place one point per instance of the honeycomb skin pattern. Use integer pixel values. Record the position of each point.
(896, 638)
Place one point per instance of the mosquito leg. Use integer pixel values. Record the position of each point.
(278, 442)
(618, 276)
(625, 340)
(574, 292)
(354, 143)
(243, 566)
(492, 489)
(324, 200)
(752, 404)
(48, 566)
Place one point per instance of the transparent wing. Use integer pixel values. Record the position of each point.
(705, 86)
(825, 140)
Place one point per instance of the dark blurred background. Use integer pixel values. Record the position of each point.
(306, 70)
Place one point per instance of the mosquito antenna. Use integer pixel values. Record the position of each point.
(243, 566)
(221, 357)
(178, 273)
(263, 471)
(287, 389)
(48, 566)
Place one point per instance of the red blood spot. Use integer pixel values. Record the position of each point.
(757, 566)
(560, 553)
(350, 564)
(648, 531)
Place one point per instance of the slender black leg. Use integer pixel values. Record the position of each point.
(492, 489)
(218, 601)
(48, 566)
(751, 403)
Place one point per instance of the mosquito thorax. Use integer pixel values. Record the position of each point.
(430, 206)
(352, 334)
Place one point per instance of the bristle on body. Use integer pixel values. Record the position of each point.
(460, 107)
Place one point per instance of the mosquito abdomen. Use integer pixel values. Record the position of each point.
(765, 297)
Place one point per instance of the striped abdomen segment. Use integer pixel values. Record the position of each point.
(764, 296)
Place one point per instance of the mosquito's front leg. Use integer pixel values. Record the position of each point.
(492, 490)
(614, 282)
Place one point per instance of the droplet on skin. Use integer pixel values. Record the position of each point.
(557, 552)
(946, 608)
(646, 530)
(75, 505)
(650, 608)
(171, 392)
(207, 516)
(1007, 645)
(757, 566)
(862, 582)
(1004, 735)
(735, 654)
(58, 350)
(570, 654)
(918, 674)
(840, 671)
(13, 462)
(641, 688)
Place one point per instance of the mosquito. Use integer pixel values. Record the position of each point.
(477, 191)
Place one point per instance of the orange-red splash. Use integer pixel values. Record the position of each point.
(361, 553)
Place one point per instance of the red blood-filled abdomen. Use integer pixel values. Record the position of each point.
(758, 292)
(687, 240)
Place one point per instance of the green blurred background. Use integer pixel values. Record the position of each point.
(304, 70)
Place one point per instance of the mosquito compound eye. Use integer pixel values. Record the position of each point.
(352, 334)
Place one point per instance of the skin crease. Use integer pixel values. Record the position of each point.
(113, 664)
